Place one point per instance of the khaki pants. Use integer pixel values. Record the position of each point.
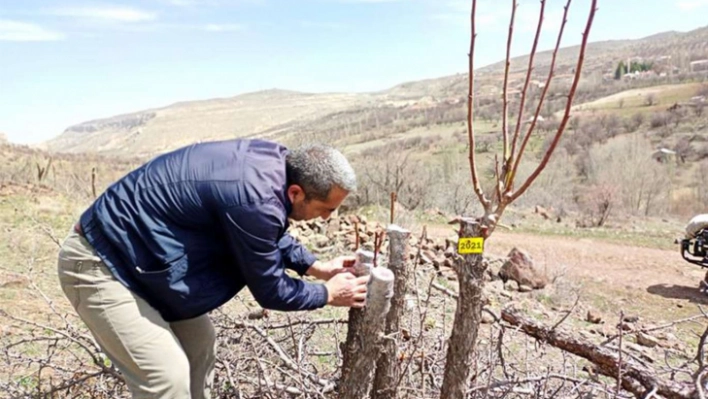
(158, 359)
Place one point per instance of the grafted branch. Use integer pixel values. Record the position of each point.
(568, 104)
(470, 117)
(505, 99)
(511, 168)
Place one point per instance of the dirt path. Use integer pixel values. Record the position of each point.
(662, 275)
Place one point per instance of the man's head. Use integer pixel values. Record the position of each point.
(319, 179)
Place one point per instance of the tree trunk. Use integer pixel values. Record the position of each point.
(364, 336)
(387, 370)
(470, 272)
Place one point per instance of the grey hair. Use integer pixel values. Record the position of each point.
(317, 168)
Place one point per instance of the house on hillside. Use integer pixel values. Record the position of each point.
(639, 75)
(663, 155)
(698, 66)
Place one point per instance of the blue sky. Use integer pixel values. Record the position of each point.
(67, 61)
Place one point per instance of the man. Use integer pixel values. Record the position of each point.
(183, 234)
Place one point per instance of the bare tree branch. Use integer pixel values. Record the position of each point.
(505, 94)
(509, 175)
(470, 116)
(569, 102)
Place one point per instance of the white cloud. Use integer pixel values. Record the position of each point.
(16, 31)
(687, 5)
(322, 25)
(223, 27)
(107, 13)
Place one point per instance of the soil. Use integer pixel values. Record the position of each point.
(658, 282)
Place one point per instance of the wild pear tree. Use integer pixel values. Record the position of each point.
(473, 232)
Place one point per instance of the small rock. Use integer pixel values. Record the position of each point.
(525, 288)
(679, 305)
(257, 314)
(670, 337)
(593, 317)
(487, 318)
(631, 319)
(510, 285)
(506, 295)
(646, 340)
(429, 256)
(519, 267)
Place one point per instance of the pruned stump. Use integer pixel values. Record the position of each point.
(365, 331)
(387, 367)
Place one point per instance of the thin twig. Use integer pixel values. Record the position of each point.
(569, 102)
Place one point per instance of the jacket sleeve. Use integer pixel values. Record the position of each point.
(295, 255)
(254, 235)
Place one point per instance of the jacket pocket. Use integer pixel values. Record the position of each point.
(164, 280)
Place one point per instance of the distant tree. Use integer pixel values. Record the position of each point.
(574, 123)
(638, 119)
(611, 125)
(633, 123)
(649, 100)
(620, 70)
(660, 119)
(643, 66)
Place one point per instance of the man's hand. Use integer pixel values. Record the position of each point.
(326, 270)
(345, 289)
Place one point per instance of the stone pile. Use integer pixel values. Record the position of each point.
(337, 236)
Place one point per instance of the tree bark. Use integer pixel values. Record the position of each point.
(387, 367)
(636, 378)
(364, 344)
(362, 267)
(470, 271)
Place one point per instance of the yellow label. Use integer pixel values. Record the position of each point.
(470, 245)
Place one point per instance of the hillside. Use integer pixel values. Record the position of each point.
(160, 129)
(348, 118)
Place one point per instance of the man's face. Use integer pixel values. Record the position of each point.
(305, 208)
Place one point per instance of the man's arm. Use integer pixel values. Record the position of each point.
(253, 232)
(298, 258)
(295, 256)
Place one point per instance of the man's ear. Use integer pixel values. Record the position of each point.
(295, 192)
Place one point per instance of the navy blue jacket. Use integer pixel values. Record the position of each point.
(189, 229)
